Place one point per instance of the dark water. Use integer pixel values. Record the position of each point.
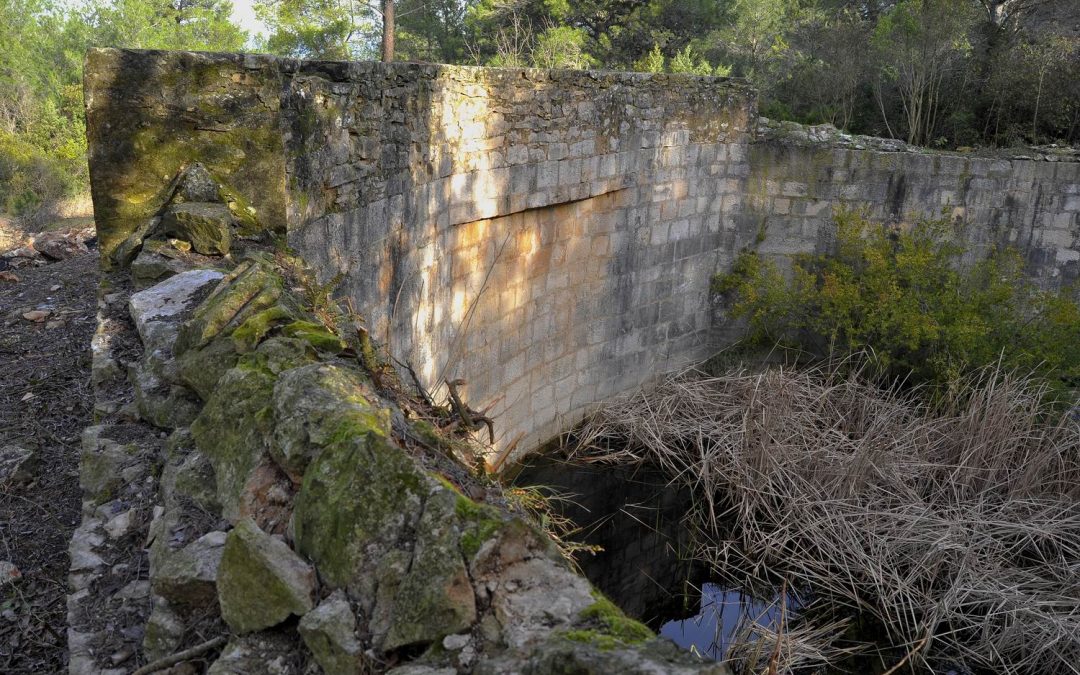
(723, 611)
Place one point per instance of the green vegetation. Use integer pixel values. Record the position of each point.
(42, 42)
(947, 73)
(607, 627)
(907, 297)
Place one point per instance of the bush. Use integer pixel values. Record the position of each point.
(905, 296)
(29, 178)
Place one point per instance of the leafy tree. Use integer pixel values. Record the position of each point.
(561, 47)
(162, 24)
(432, 30)
(922, 43)
(326, 29)
(754, 34)
(818, 80)
(685, 62)
(653, 62)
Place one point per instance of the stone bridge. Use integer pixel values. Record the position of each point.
(548, 236)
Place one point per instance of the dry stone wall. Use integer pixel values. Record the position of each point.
(548, 237)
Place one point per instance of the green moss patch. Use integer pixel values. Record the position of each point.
(607, 627)
(316, 334)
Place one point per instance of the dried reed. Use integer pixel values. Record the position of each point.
(956, 524)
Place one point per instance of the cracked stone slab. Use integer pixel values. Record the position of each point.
(167, 300)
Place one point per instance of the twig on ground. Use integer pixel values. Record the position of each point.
(180, 657)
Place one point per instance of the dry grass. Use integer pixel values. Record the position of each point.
(955, 524)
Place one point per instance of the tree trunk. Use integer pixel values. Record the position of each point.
(388, 30)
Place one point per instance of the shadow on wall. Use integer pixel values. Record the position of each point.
(546, 236)
(150, 114)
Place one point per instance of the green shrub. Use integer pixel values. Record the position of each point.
(903, 296)
(32, 177)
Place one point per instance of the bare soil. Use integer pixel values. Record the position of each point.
(45, 401)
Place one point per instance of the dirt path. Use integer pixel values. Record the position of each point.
(45, 401)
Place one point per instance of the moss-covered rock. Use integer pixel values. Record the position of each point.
(359, 498)
(606, 626)
(208, 226)
(164, 630)
(202, 368)
(196, 185)
(188, 475)
(312, 405)
(233, 431)
(559, 656)
(435, 597)
(262, 653)
(261, 582)
(321, 338)
(100, 465)
(249, 334)
(154, 263)
(188, 577)
(329, 631)
(250, 288)
(279, 354)
(128, 248)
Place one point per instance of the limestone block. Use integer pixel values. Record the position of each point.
(165, 302)
(17, 465)
(311, 403)
(207, 226)
(266, 653)
(188, 577)
(329, 631)
(434, 597)
(261, 581)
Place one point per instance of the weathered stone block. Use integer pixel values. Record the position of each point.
(188, 577)
(329, 631)
(207, 226)
(261, 582)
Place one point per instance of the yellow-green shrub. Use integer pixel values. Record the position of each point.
(903, 296)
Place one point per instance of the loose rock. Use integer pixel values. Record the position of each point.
(261, 580)
(9, 573)
(188, 577)
(208, 226)
(329, 631)
(17, 465)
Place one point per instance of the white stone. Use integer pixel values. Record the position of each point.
(9, 573)
(455, 642)
(119, 525)
(168, 299)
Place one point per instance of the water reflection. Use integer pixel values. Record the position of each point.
(724, 613)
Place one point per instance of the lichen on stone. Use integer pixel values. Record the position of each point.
(312, 406)
(320, 337)
(261, 581)
(233, 431)
(250, 288)
(435, 597)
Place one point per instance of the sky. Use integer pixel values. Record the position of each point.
(243, 13)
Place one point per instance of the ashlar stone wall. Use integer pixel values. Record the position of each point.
(798, 178)
(546, 236)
